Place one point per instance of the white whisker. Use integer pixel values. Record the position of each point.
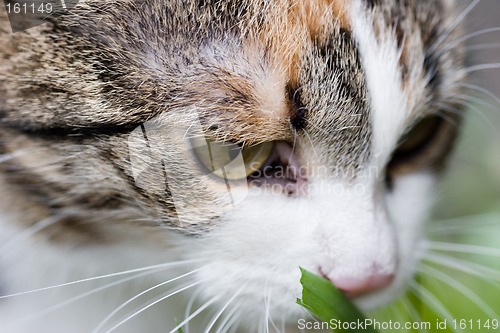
(464, 223)
(465, 38)
(269, 318)
(447, 279)
(282, 326)
(105, 320)
(455, 24)
(314, 319)
(312, 143)
(144, 308)
(432, 301)
(412, 311)
(194, 314)
(189, 306)
(455, 110)
(30, 231)
(221, 311)
(266, 307)
(262, 325)
(397, 314)
(482, 90)
(468, 102)
(86, 294)
(463, 248)
(234, 323)
(481, 67)
(165, 266)
(478, 47)
(230, 320)
(294, 145)
(464, 266)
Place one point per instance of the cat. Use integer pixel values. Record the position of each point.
(160, 154)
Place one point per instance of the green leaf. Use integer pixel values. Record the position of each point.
(326, 302)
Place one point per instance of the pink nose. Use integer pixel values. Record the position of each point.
(358, 287)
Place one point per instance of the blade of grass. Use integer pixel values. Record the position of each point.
(326, 302)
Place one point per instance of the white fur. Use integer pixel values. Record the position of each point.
(30, 264)
(393, 108)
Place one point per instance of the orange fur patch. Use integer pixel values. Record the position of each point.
(290, 29)
(293, 25)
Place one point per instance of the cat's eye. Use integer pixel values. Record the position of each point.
(425, 145)
(229, 160)
(419, 136)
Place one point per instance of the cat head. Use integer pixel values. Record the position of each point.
(256, 136)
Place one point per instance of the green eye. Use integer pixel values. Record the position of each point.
(223, 158)
(256, 156)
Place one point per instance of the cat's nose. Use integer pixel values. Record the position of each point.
(354, 287)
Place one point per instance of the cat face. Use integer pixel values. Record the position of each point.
(259, 137)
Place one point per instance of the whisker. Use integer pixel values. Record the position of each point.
(261, 325)
(282, 326)
(478, 47)
(466, 101)
(432, 301)
(470, 102)
(463, 248)
(463, 266)
(465, 38)
(488, 126)
(482, 67)
(312, 143)
(218, 314)
(266, 308)
(464, 290)
(194, 314)
(445, 107)
(397, 315)
(30, 231)
(189, 306)
(294, 142)
(412, 311)
(452, 27)
(81, 296)
(234, 328)
(464, 224)
(269, 319)
(166, 265)
(482, 90)
(144, 308)
(232, 320)
(105, 320)
(227, 318)
(337, 130)
(309, 315)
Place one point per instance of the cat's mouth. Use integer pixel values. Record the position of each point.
(282, 172)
